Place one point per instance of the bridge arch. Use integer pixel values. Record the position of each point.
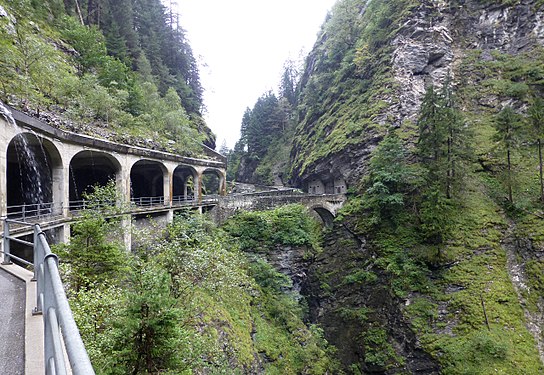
(213, 182)
(147, 182)
(326, 215)
(184, 183)
(89, 168)
(34, 174)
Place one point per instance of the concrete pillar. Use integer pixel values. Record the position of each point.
(198, 187)
(60, 185)
(222, 183)
(122, 181)
(168, 186)
(64, 233)
(3, 178)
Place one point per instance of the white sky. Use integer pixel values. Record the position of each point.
(242, 46)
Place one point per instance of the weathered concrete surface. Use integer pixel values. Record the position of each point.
(33, 324)
(12, 325)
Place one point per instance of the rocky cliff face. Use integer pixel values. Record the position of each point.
(350, 299)
(425, 41)
(372, 75)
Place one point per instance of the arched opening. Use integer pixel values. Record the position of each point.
(87, 169)
(327, 218)
(34, 166)
(212, 181)
(147, 183)
(184, 184)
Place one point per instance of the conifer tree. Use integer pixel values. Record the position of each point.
(536, 116)
(507, 124)
(387, 180)
(443, 140)
(443, 146)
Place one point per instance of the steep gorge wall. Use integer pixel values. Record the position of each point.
(368, 72)
(354, 87)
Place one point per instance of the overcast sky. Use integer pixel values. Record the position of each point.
(241, 46)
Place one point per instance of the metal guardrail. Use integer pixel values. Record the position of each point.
(148, 201)
(33, 210)
(53, 304)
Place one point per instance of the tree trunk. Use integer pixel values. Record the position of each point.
(450, 169)
(509, 176)
(79, 13)
(540, 169)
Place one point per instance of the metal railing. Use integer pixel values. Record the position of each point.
(52, 303)
(181, 199)
(33, 210)
(148, 201)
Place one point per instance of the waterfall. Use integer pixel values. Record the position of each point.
(34, 172)
(7, 114)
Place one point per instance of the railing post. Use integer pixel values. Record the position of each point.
(7, 258)
(36, 260)
(39, 271)
(52, 341)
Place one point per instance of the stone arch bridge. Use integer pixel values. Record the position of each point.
(324, 205)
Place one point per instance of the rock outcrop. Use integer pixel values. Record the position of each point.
(431, 41)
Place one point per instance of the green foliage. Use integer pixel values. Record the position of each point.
(51, 61)
(361, 277)
(267, 277)
(378, 351)
(93, 256)
(388, 181)
(148, 337)
(286, 225)
(193, 303)
(535, 274)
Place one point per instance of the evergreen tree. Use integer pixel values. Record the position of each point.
(536, 116)
(241, 145)
(443, 139)
(387, 181)
(149, 338)
(266, 121)
(507, 124)
(288, 83)
(443, 146)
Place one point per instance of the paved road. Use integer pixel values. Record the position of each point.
(12, 324)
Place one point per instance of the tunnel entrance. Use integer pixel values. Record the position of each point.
(88, 169)
(183, 188)
(147, 183)
(33, 163)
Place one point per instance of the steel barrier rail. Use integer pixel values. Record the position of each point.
(148, 201)
(33, 210)
(53, 305)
